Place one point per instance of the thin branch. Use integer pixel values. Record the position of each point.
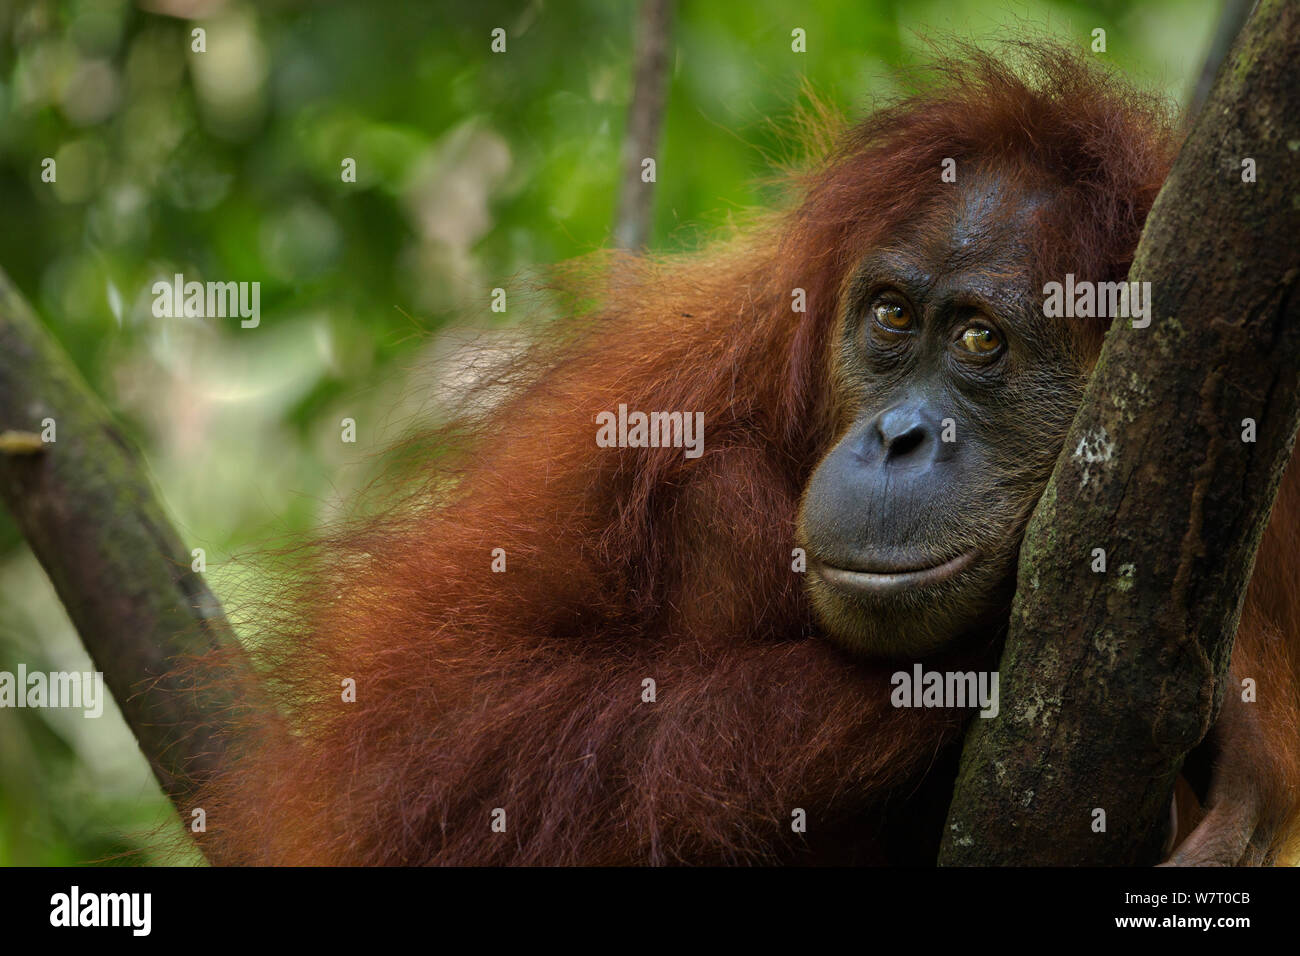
(645, 118)
(1231, 19)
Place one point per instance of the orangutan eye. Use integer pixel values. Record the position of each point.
(892, 316)
(980, 340)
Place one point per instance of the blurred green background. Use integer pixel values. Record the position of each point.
(471, 168)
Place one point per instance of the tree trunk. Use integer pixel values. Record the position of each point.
(1109, 679)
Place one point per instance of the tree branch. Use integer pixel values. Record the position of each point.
(645, 117)
(1108, 680)
(87, 509)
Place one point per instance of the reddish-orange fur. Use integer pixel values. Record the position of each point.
(522, 690)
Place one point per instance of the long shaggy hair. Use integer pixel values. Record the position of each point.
(523, 691)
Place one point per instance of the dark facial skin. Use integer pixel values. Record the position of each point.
(912, 539)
